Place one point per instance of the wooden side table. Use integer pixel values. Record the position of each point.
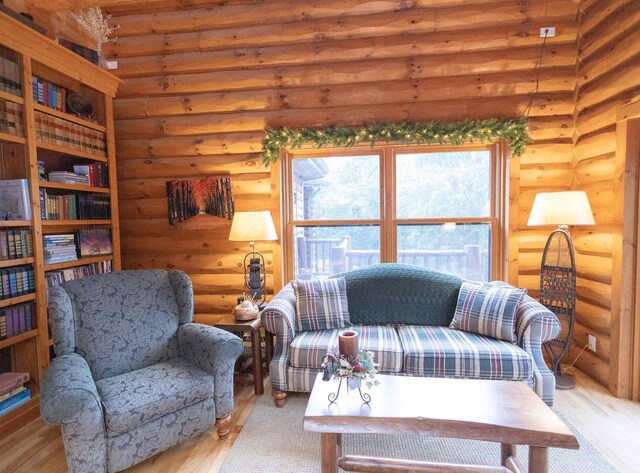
(229, 323)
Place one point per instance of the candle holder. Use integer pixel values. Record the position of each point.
(352, 369)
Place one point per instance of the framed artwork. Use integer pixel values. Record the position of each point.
(200, 204)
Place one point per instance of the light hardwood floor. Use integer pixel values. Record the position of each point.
(611, 424)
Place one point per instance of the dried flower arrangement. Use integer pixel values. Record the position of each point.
(96, 24)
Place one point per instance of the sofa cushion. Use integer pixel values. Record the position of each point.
(393, 293)
(443, 352)
(135, 398)
(321, 304)
(308, 348)
(488, 310)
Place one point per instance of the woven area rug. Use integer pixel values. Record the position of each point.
(272, 440)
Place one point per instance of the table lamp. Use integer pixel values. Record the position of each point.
(253, 226)
(558, 269)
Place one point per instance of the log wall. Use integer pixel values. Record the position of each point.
(203, 81)
(607, 80)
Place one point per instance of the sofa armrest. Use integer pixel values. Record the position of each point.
(535, 324)
(279, 318)
(214, 351)
(69, 397)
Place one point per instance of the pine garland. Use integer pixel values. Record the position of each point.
(514, 132)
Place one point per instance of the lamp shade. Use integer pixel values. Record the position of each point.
(561, 208)
(252, 226)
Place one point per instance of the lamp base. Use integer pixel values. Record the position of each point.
(565, 382)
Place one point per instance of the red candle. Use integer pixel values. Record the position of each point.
(348, 343)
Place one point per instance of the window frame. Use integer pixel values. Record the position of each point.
(388, 222)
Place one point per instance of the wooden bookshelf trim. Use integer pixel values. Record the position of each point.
(72, 152)
(18, 300)
(11, 98)
(15, 223)
(74, 223)
(15, 262)
(13, 138)
(74, 187)
(79, 262)
(68, 117)
(18, 338)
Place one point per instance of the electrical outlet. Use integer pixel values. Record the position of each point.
(112, 65)
(592, 342)
(548, 31)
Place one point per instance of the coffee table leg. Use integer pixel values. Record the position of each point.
(506, 450)
(330, 452)
(258, 385)
(538, 459)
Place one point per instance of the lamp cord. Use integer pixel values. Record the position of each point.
(570, 370)
(538, 66)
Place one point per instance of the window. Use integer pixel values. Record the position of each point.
(428, 206)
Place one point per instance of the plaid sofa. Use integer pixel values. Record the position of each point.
(402, 314)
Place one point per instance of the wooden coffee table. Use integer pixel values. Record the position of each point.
(507, 412)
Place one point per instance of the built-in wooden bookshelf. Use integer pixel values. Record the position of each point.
(20, 151)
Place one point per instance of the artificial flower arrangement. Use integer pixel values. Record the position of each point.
(355, 369)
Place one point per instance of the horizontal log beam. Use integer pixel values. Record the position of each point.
(381, 92)
(388, 465)
(500, 31)
(329, 52)
(287, 12)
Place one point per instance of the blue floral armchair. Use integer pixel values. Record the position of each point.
(133, 375)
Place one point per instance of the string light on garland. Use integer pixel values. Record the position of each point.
(514, 132)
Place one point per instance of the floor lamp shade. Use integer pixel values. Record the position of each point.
(558, 269)
(253, 226)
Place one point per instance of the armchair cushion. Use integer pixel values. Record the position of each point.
(137, 397)
(487, 310)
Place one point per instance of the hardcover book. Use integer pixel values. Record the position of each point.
(14, 200)
(95, 242)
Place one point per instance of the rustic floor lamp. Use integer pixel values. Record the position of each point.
(558, 269)
(253, 226)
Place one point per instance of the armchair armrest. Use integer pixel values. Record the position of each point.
(278, 318)
(214, 351)
(69, 397)
(535, 324)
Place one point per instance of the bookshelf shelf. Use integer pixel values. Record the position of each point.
(13, 138)
(72, 152)
(74, 187)
(15, 262)
(79, 262)
(15, 223)
(20, 410)
(73, 223)
(37, 56)
(68, 117)
(18, 338)
(11, 98)
(18, 300)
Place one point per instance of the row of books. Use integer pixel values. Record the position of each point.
(98, 173)
(17, 281)
(10, 72)
(16, 244)
(57, 277)
(60, 132)
(49, 94)
(13, 391)
(16, 319)
(74, 207)
(11, 118)
(60, 248)
(87, 53)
